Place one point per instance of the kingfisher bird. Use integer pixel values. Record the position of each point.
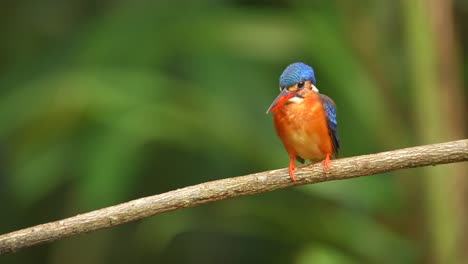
(304, 119)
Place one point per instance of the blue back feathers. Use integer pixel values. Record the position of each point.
(330, 111)
(331, 115)
(295, 73)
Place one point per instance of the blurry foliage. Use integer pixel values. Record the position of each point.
(109, 101)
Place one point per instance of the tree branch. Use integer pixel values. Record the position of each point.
(454, 151)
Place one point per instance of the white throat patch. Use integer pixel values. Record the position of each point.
(295, 99)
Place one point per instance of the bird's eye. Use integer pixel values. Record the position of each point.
(300, 85)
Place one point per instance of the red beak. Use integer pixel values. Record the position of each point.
(284, 96)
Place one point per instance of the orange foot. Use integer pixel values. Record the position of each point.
(291, 168)
(326, 163)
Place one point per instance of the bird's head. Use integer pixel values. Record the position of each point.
(297, 80)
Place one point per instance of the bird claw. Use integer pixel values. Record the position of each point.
(326, 163)
(291, 169)
(291, 174)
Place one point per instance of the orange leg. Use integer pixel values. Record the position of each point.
(326, 162)
(291, 168)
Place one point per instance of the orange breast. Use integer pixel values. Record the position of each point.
(302, 127)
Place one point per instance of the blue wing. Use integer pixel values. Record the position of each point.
(330, 111)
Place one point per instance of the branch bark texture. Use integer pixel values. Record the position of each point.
(450, 152)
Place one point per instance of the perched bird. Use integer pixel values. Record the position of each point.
(304, 119)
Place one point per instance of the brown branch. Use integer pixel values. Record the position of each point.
(454, 151)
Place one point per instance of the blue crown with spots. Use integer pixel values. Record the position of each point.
(295, 73)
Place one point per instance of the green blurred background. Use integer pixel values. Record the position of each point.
(102, 102)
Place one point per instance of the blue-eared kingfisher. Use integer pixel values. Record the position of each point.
(304, 119)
